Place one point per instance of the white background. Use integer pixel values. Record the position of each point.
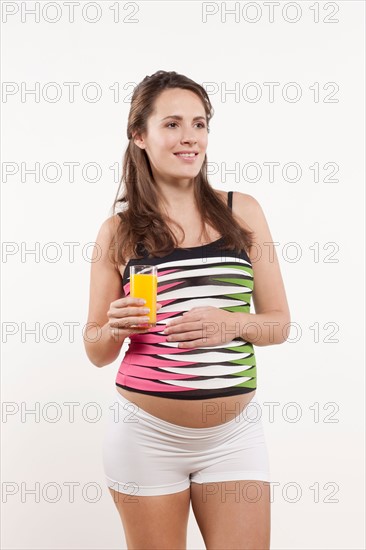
(53, 368)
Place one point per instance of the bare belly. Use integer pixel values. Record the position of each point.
(191, 413)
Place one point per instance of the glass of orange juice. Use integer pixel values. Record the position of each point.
(144, 284)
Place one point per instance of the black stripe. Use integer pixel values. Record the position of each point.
(194, 394)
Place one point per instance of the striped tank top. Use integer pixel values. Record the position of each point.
(198, 276)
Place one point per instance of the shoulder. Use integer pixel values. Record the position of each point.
(106, 233)
(109, 226)
(246, 203)
(248, 209)
(241, 201)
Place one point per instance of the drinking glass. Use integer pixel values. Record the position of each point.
(144, 284)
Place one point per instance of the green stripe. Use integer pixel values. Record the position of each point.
(241, 282)
(240, 309)
(248, 384)
(245, 268)
(245, 361)
(250, 372)
(248, 348)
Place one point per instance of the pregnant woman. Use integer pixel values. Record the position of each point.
(187, 428)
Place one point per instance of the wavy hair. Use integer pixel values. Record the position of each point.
(143, 224)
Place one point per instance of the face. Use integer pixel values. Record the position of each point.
(177, 124)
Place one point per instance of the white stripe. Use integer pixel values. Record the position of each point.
(209, 357)
(204, 261)
(213, 383)
(204, 290)
(212, 370)
(200, 302)
(232, 344)
(218, 271)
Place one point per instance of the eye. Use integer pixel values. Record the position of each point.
(201, 123)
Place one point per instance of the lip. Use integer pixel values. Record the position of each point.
(187, 160)
(187, 152)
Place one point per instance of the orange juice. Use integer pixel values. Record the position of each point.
(144, 285)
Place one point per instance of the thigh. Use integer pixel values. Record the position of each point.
(140, 457)
(147, 479)
(230, 493)
(238, 452)
(233, 514)
(158, 522)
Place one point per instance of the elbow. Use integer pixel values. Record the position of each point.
(285, 332)
(94, 362)
(275, 331)
(280, 341)
(274, 341)
(99, 362)
(92, 359)
(281, 333)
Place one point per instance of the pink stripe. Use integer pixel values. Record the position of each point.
(150, 350)
(166, 271)
(142, 372)
(136, 359)
(168, 286)
(148, 338)
(146, 385)
(159, 327)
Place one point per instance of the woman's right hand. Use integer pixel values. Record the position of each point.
(125, 312)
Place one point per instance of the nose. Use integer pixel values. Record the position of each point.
(191, 140)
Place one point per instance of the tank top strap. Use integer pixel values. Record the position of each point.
(230, 199)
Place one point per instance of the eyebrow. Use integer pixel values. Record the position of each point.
(178, 117)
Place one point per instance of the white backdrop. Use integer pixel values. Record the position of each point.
(286, 80)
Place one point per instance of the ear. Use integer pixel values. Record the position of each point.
(139, 140)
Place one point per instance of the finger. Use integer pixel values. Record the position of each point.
(138, 322)
(193, 310)
(128, 311)
(183, 327)
(199, 343)
(180, 336)
(192, 344)
(128, 301)
(118, 333)
(130, 322)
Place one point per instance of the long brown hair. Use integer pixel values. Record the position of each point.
(142, 222)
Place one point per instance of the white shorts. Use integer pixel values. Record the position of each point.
(146, 456)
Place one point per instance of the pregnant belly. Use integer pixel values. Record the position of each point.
(191, 413)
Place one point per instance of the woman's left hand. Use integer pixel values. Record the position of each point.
(203, 326)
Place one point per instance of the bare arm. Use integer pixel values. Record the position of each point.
(105, 286)
(270, 323)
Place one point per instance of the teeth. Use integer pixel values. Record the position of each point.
(186, 154)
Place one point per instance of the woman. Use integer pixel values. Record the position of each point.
(184, 431)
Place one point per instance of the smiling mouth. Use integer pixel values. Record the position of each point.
(186, 155)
